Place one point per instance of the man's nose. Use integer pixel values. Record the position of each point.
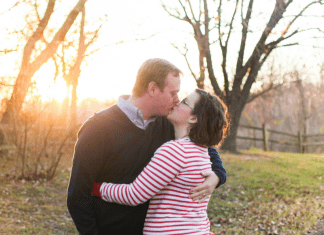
(176, 100)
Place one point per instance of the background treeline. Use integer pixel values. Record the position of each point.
(291, 108)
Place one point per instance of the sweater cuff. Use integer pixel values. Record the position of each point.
(222, 178)
(96, 189)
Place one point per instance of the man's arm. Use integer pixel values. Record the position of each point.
(86, 163)
(217, 166)
(213, 180)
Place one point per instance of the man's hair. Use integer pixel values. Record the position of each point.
(153, 70)
(212, 120)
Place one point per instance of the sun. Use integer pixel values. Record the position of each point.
(49, 90)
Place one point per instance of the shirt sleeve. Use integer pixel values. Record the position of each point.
(166, 163)
(217, 165)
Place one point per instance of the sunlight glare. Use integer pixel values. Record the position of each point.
(50, 90)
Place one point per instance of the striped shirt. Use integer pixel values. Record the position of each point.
(174, 169)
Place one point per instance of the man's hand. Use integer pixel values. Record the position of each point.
(202, 191)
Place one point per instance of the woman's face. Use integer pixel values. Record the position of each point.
(183, 113)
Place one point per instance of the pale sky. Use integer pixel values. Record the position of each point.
(111, 71)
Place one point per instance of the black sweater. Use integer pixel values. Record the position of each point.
(110, 148)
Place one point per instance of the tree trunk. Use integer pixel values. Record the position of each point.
(73, 110)
(229, 143)
(28, 68)
(76, 70)
(17, 98)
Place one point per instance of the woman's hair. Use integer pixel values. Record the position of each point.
(212, 120)
(153, 70)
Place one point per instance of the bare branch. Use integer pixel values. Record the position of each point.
(200, 11)
(177, 17)
(39, 31)
(256, 95)
(120, 42)
(209, 61)
(297, 16)
(219, 23)
(185, 56)
(94, 36)
(5, 51)
(304, 30)
(3, 84)
(16, 4)
(287, 45)
(231, 25)
(36, 9)
(58, 38)
(274, 43)
(315, 16)
(57, 69)
(259, 49)
(245, 26)
(193, 15)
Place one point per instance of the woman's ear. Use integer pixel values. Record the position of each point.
(193, 119)
(151, 89)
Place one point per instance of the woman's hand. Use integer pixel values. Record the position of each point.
(202, 191)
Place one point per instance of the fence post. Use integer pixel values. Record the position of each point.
(300, 142)
(265, 137)
(305, 146)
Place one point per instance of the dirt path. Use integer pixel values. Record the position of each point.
(318, 229)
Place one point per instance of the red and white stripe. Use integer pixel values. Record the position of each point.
(174, 169)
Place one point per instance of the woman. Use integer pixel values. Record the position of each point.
(200, 120)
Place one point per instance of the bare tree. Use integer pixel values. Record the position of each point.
(70, 66)
(237, 88)
(31, 63)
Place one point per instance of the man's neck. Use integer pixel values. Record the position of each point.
(143, 104)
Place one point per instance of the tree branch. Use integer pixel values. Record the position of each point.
(276, 15)
(59, 36)
(256, 95)
(36, 9)
(193, 15)
(120, 42)
(185, 56)
(231, 25)
(210, 69)
(16, 4)
(200, 11)
(224, 52)
(219, 23)
(239, 75)
(275, 43)
(38, 32)
(6, 51)
(297, 16)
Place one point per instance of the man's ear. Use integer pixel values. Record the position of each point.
(151, 89)
(193, 119)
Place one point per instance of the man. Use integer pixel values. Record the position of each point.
(117, 143)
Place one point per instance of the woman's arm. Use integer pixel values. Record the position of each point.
(163, 167)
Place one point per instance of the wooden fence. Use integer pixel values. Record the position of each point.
(302, 141)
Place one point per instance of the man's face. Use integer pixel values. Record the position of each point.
(168, 99)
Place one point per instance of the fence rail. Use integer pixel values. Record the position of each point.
(301, 140)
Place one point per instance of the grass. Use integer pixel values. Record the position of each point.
(36, 207)
(269, 193)
(265, 193)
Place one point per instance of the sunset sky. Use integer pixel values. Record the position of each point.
(111, 71)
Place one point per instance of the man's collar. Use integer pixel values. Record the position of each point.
(133, 113)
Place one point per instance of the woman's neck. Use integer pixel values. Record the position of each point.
(181, 132)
